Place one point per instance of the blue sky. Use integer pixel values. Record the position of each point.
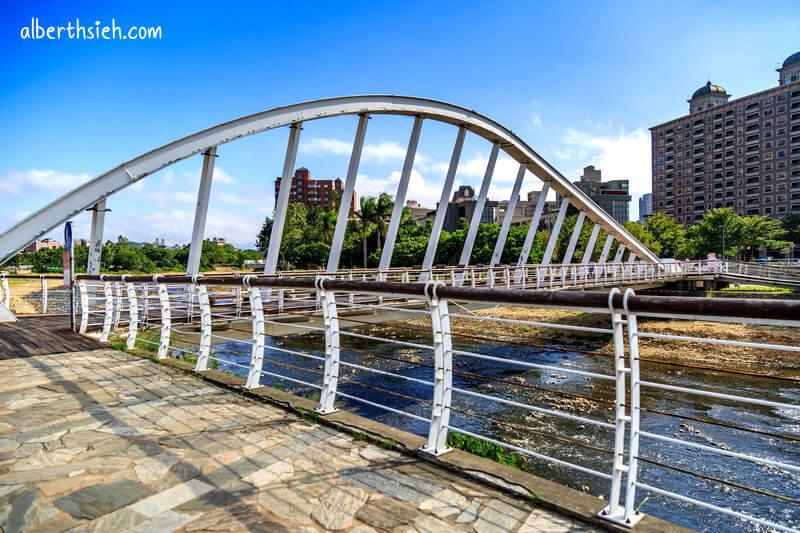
(581, 82)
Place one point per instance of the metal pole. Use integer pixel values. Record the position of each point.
(257, 350)
(400, 198)
(587, 253)
(469, 242)
(331, 371)
(96, 237)
(441, 209)
(282, 201)
(606, 249)
(620, 251)
(347, 198)
(551, 244)
(573, 241)
(201, 212)
(509, 216)
(532, 229)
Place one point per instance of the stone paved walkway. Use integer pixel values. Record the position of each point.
(105, 441)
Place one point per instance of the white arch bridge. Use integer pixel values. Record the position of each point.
(92, 195)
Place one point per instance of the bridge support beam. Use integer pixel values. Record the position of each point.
(441, 209)
(632, 257)
(347, 196)
(201, 212)
(400, 198)
(620, 251)
(551, 243)
(282, 201)
(606, 249)
(96, 237)
(509, 216)
(573, 241)
(533, 228)
(587, 253)
(469, 242)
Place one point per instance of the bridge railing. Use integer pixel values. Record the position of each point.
(440, 367)
(34, 294)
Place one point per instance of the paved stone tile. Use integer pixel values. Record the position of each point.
(105, 441)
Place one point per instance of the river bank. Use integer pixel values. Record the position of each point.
(772, 362)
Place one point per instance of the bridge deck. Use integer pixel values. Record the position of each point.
(41, 335)
(104, 440)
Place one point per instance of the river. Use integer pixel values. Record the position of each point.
(525, 384)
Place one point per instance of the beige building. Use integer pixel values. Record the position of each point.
(743, 154)
(44, 244)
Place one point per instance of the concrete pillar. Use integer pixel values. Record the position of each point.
(441, 209)
(534, 226)
(573, 241)
(96, 237)
(587, 253)
(282, 202)
(201, 211)
(606, 249)
(509, 216)
(347, 198)
(551, 244)
(400, 197)
(469, 242)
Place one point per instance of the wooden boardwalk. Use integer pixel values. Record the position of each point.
(42, 335)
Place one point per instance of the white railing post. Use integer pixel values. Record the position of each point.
(632, 516)
(133, 312)
(257, 350)
(205, 327)
(613, 511)
(84, 298)
(330, 378)
(44, 295)
(238, 295)
(443, 373)
(6, 293)
(108, 316)
(166, 319)
(117, 304)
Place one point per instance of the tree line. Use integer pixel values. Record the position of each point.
(123, 256)
(308, 232)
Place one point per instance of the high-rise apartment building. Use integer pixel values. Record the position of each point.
(463, 206)
(743, 153)
(645, 206)
(313, 192)
(613, 196)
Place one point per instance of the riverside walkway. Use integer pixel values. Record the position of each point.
(103, 440)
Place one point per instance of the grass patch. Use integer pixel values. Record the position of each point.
(121, 346)
(757, 288)
(487, 450)
(388, 444)
(359, 436)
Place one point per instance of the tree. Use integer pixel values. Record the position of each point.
(643, 236)
(717, 225)
(670, 235)
(758, 231)
(791, 224)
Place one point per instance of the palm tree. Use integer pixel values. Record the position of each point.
(383, 210)
(366, 216)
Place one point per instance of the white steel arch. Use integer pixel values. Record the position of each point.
(85, 196)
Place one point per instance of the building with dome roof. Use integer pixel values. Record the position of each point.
(742, 153)
(790, 70)
(707, 96)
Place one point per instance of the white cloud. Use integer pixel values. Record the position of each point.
(220, 176)
(619, 155)
(424, 191)
(17, 183)
(536, 120)
(381, 153)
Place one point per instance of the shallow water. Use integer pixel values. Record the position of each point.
(543, 427)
